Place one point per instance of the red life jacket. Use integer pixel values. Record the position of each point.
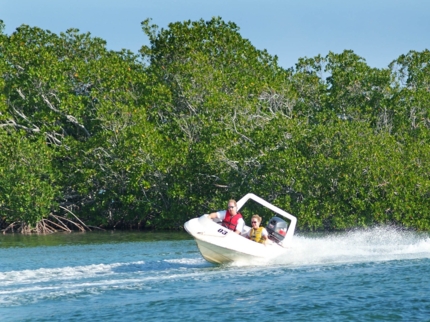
(230, 221)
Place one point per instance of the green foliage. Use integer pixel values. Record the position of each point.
(28, 183)
(219, 86)
(71, 94)
(202, 116)
(411, 113)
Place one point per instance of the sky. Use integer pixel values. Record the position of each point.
(377, 30)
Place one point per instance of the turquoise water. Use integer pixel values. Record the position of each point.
(375, 275)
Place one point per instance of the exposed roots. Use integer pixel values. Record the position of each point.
(52, 224)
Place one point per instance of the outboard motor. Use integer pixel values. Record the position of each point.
(277, 229)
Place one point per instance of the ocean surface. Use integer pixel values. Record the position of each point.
(382, 274)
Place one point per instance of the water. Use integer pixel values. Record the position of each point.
(376, 275)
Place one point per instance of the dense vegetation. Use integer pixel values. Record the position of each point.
(149, 140)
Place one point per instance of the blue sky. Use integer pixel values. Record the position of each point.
(377, 30)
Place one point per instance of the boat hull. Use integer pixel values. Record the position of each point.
(219, 245)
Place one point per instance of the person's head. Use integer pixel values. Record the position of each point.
(255, 221)
(232, 206)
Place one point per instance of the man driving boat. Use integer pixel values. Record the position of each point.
(231, 219)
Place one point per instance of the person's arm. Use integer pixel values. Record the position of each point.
(219, 214)
(213, 215)
(240, 225)
(248, 234)
(265, 235)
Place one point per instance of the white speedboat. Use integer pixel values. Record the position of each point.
(220, 245)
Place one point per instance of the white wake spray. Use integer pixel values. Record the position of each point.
(375, 244)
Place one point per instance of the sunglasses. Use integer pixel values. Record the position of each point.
(230, 207)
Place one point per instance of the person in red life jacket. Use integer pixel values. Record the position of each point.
(257, 233)
(231, 219)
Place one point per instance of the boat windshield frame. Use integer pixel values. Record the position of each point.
(283, 213)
